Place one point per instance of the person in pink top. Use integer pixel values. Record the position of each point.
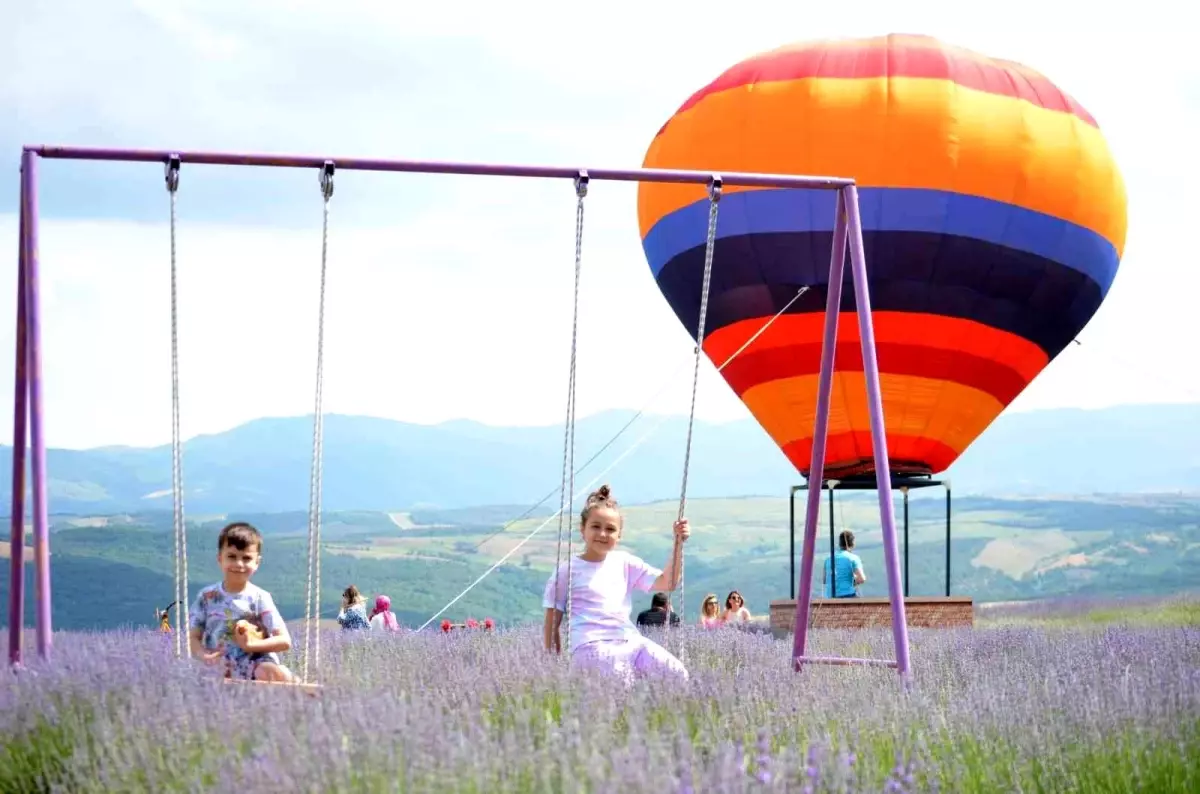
(710, 612)
(602, 581)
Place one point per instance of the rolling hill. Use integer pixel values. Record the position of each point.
(114, 570)
(384, 465)
(414, 510)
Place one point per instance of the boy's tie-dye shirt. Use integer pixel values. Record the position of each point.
(217, 611)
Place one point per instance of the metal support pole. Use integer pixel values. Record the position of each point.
(833, 302)
(792, 541)
(16, 579)
(904, 491)
(832, 544)
(883, 478)
(947, 539)
(41, 517)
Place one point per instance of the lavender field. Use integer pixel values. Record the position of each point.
(1030, 709)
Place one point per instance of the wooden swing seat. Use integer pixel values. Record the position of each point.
(309, 689)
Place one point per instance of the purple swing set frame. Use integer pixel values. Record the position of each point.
(28, 427)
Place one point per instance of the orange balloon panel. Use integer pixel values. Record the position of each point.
(936, 399)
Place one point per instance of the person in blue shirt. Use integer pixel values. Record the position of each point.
(848, 566)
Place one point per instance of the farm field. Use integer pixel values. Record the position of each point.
(1075, 698)
(113, 571)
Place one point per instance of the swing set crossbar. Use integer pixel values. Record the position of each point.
(739, 178)
(28, 433)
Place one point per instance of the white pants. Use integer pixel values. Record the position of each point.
(630, 658)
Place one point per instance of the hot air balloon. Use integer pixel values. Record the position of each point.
(994, 219)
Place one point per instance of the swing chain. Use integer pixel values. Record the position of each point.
(567, 489)
(182, 615)
(312, 607)
(714, 195)
(714, 198)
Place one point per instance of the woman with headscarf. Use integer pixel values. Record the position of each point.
(382, 616)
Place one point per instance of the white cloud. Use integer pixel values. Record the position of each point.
(535, 83)
(456, 313)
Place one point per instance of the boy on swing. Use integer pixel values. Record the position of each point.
(219, 607)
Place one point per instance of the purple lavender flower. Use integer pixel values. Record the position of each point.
(488, 711)
(762, 762)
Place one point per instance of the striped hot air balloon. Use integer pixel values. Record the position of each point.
(994, 220)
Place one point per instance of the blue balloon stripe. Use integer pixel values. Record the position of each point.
(775, 211)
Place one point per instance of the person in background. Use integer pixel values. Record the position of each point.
(735, 609)
(382, 616)
(710, 612)
(353, 616)
(164, 618)
(848, 567)
(656, 615)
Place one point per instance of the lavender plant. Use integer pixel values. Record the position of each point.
(1012, 709)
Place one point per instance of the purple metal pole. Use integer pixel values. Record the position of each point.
(883, 478)
(16, 577)
(816, 477)
(41, 517)
(741, 179)
(841, 661)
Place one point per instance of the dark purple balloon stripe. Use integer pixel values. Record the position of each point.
(756, 275)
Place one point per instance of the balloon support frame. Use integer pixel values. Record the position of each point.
(28, 411)
(900, 482)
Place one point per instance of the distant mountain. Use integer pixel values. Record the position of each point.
(380, 464)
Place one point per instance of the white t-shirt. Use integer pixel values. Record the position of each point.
(377, 623)
(601, 596)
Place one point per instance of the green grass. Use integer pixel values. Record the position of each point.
(1164, 613)
(1129, 760)
(33, 760)
(38, 759)
(1183, 613)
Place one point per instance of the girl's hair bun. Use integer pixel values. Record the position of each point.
(601, 497)
(601, 494)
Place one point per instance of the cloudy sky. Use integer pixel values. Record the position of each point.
(443, 289)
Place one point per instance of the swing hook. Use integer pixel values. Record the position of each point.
(326, 179)
(714, 188)
(581, 184)
(172, 172)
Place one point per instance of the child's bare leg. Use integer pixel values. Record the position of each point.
(269, 671)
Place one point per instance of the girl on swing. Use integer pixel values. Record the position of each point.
(603, 579)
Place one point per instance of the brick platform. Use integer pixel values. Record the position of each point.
(938, 612)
